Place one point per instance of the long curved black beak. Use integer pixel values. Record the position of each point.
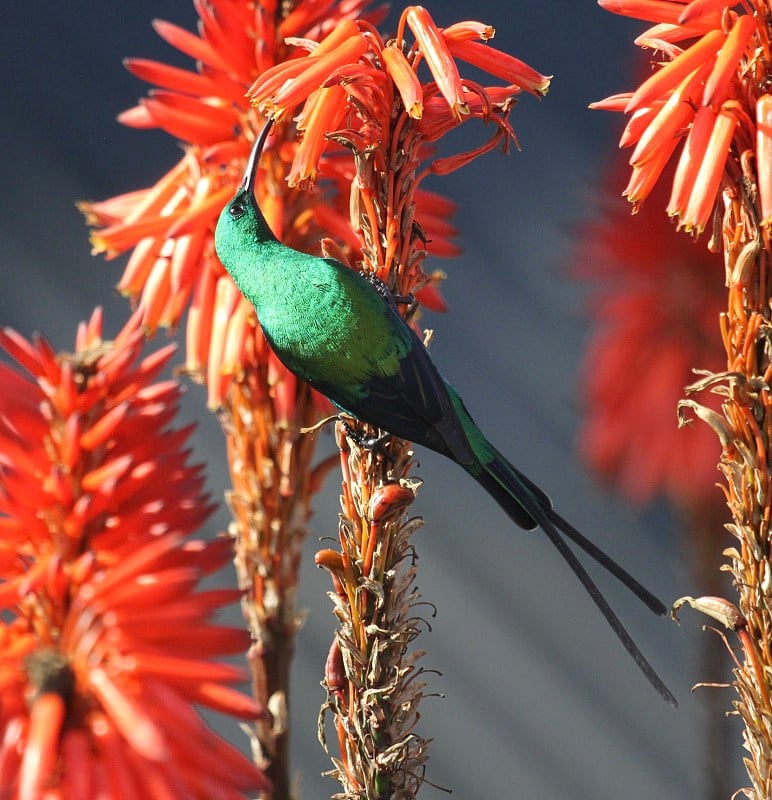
(248, 181)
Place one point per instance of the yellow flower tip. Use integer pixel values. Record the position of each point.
(405, 79)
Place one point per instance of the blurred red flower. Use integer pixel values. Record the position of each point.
(655, 305)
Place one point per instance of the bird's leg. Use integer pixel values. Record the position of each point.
(390, 297)
(373, 443)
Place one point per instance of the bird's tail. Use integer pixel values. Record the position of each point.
(529, 507)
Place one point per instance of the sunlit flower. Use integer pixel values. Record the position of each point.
(169, 227)
(371, 71)
(717, 59)
(106, 645)
(655, 310)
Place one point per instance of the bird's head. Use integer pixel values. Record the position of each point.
(242, 225)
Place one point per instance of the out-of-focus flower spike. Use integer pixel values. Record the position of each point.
(502, 65)
(195, 125)
(227, 297)
(204, 209)
(185, 260)
(675, 71)
(199, 327)
(40, 754)
(719, 82)
(405, 79)
(468, 30)
(77, 764)
(180, 80)
(430, 297)
(122, 778)
(764, 156)
(698, 8)
(190, 44)
(101, 431)
(130, 718)
(181, 669)
(229, 39)
(228, 701)
(239, 330)
(20, 350)
(156, 291)
(138, 117)
(441, 63)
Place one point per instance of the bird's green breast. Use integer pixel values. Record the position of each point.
(324, 321)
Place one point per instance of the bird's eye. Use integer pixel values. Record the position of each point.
(237, 210)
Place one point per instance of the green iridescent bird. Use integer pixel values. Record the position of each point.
(342, 333)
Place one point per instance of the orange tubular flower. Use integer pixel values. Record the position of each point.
(105, 644)
(371, 75)
(695, 99)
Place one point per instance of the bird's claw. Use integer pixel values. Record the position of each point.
(375, 444)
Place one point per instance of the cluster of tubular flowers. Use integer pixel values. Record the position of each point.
(105, 643)
(169, 227)
(654, 317)
(716, 62)
(351, 77)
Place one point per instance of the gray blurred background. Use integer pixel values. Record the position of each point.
(540, 699)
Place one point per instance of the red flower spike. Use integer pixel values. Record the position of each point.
(91, 578)
(655, 313)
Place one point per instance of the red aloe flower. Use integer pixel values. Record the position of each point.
(655, 320)
(169, 227)
(105, 644)
(696, 99)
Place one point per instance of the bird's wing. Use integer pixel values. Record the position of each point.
(414, 402)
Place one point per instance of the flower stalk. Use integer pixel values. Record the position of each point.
(373, 680)
(721, 185)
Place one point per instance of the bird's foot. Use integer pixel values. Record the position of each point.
(390, 297)
(376, 444)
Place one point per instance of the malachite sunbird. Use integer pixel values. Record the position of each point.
(340, 332)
